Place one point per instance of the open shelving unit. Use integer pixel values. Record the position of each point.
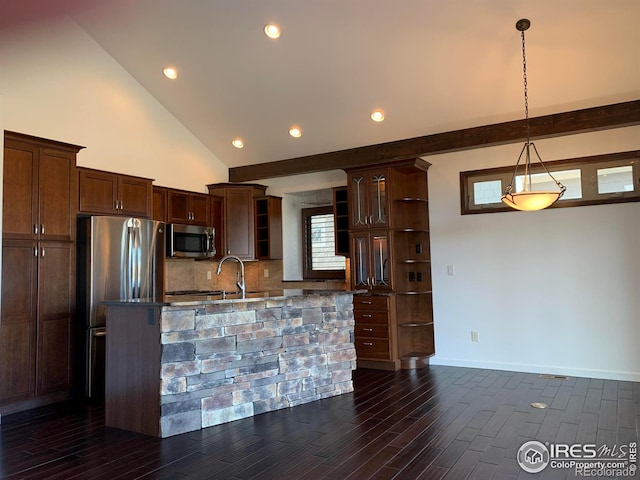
(398, 210)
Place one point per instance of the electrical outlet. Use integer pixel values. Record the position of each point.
(419, 276)
(418, 248)
(474, 336)
(450, 270)
(412, 276)
(265, 273)
(209, 275)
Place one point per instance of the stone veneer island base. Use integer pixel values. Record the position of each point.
(179, 366)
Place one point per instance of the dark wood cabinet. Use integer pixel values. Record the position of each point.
(368, 207)
(188, 207)
(160, 204)
(375, 331)
(268, 228)
(114, 194)
(390, 252)
(39, 178)
(341, 220)
(18, 321)
(238, 216)
(38, 271)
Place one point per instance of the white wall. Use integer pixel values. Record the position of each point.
(59, 84)
(555, 291)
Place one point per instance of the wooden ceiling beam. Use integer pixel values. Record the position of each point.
(558, 124)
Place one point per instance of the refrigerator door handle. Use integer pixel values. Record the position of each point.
(137, 284)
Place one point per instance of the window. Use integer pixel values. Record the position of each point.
(320, 260)
(590, 181)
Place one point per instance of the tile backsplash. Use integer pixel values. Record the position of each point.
(189, 274)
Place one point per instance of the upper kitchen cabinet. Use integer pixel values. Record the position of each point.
(268, 227)
(341, 220)
(114, 194)
(160, 207)
(40, 184)
(238, 208)
(188, 208)
(368, 198)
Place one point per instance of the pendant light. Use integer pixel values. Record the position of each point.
(529, 199)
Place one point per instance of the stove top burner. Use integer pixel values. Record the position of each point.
(195, 292)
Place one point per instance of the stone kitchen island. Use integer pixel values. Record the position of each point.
(191, 362)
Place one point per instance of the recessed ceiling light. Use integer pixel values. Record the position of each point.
(272, 30)
(170, 72)
(237, 142)
(295, 132)
(377, 116)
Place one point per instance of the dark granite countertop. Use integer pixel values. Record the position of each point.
(181, 300)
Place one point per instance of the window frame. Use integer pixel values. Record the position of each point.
(307, 271)
(588, 167)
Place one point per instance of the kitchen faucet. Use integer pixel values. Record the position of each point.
(239, 275)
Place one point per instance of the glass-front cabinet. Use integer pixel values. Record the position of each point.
(369, 207)
(370, 262)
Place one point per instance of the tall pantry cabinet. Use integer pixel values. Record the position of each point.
(40, 190)
(390, 259)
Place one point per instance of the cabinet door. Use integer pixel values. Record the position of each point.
(368, 205)
(378, 204)
(160, 204)
(360, 260)
(56, 177)
(20, 193)
(17, 326)
(98, 192)
(55, 276)
(134, 196)
(200, 209)
(370, 262)
(359, 201)
(178, 207)
(238, 226)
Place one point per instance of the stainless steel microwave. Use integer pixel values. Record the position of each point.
(190, 241)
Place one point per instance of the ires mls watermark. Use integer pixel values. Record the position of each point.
(585, 460)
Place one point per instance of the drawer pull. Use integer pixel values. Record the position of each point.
(365, 302)
(366, 315)
(367, 329)
(368, 344)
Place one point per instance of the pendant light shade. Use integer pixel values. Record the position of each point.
(529, 199)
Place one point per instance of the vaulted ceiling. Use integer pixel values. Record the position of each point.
(432, 66)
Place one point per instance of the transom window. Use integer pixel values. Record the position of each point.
(611, 178)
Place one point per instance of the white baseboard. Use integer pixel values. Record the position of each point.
(528, 368)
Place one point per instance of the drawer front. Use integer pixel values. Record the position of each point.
(372, 348)
(370, 330)
(371, 316)
(377, 303)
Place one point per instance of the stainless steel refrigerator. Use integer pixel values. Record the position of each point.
(119, 258)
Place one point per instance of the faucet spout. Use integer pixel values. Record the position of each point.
(239, 274)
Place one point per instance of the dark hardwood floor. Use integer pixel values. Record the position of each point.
(436, 422)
